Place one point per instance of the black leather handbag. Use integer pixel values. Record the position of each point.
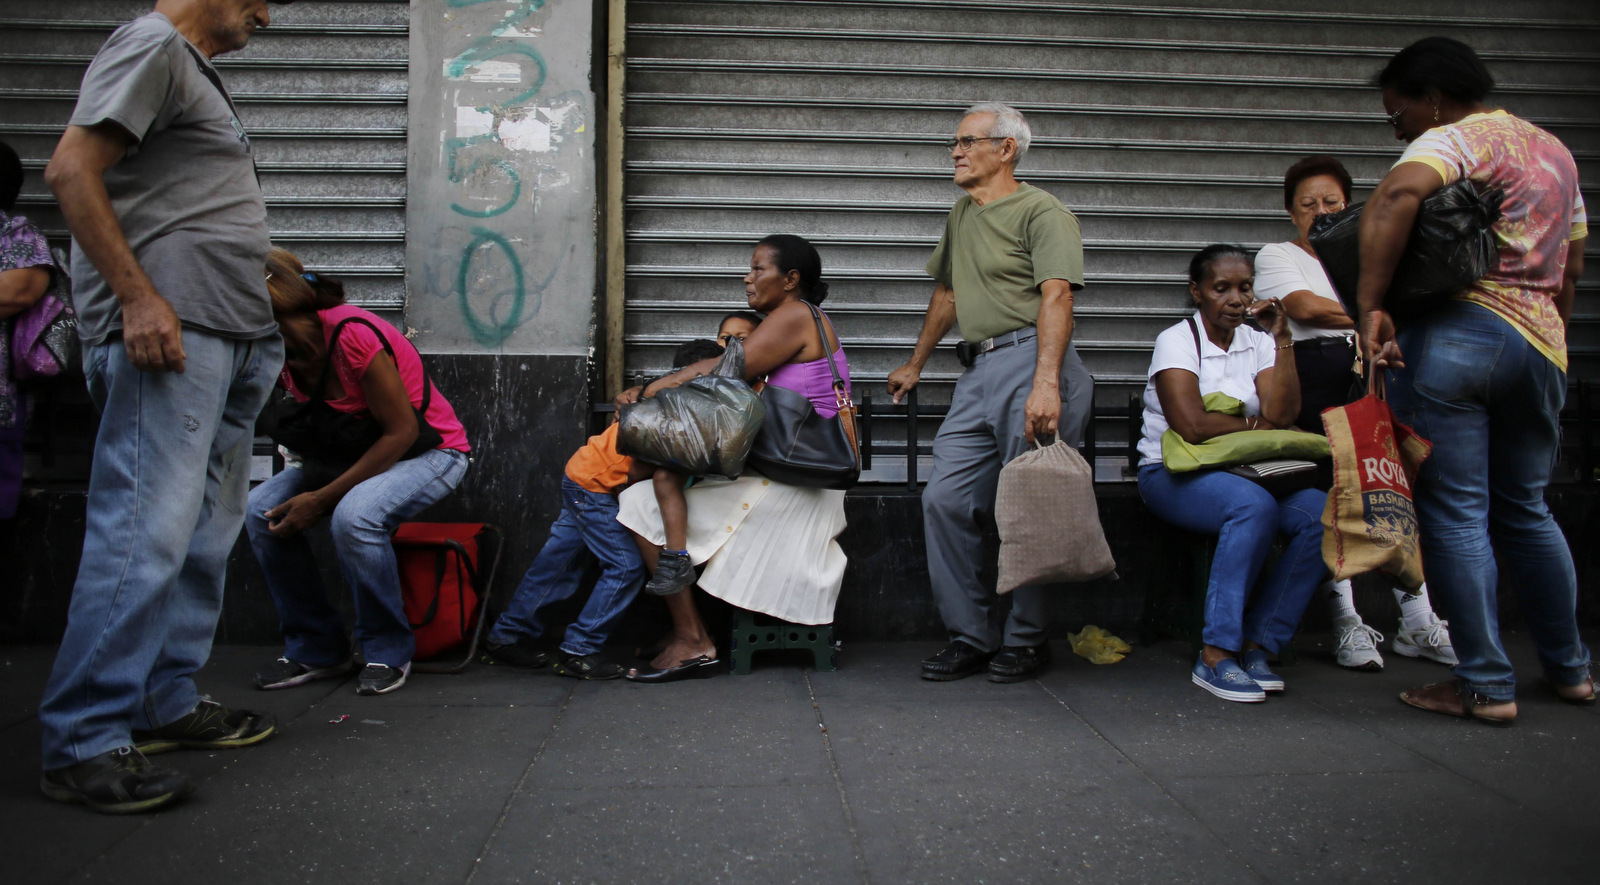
(799, 447)
(1451, 246)
(333, 439)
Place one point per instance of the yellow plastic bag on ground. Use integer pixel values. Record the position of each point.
(1098, 646)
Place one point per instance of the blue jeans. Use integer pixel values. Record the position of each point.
(166, 496)
(1489, 401)
(586, 527)
(362, 521)
(1245, 520)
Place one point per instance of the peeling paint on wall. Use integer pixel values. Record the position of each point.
(501, 215)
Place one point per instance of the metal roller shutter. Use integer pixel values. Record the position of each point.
(1163, 127)
(322, 93)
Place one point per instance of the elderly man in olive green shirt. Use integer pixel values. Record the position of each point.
(1006, 268)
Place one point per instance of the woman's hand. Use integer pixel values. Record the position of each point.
(1379, 348)
(1270, 314)
(296, 514)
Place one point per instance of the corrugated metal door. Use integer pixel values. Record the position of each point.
(322, 93)
(1163, 127)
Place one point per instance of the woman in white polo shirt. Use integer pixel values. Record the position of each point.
(1324, 356)
(1214, 352)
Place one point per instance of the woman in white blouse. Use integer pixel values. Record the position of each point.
(1214, 352)
(1325, 357)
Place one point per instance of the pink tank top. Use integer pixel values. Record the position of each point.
(815, 380)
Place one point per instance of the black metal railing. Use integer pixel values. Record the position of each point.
(1580, 423)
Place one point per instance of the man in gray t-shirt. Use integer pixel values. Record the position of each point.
(156, 180)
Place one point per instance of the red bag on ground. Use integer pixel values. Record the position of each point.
(1369, 522)
(438, 582)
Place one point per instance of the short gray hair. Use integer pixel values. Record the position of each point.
(1008, 123)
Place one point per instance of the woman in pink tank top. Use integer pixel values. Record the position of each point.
(766, 546)
(371, 371)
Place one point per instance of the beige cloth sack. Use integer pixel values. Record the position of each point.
(1049, 523)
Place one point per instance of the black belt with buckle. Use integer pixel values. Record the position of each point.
(967, 352)
(1325, 342)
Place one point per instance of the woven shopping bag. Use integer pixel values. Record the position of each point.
(1369, 521)
(1048, 519)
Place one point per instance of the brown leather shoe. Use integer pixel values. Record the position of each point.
(1454, 698)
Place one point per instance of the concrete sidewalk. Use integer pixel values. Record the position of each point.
(1125, 773)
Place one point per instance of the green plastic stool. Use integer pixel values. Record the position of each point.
(753, 633)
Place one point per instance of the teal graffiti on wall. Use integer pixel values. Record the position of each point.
(492, 320)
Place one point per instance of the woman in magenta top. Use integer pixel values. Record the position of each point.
(764, 546)
(381, 378)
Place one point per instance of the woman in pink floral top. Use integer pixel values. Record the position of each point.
(1484, 377)
(25, 274)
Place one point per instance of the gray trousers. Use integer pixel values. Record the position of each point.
(982, 432)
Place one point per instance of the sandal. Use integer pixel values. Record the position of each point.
(1583, 699)
(1456, 699)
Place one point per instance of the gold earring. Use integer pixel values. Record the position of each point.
(1435, 113)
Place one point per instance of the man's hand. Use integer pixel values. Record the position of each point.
(1379, 349)
(295, 515)
(152, 335)
(902, 380)
(1041, 415)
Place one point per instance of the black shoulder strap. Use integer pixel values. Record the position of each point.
(1194, 329)
(333, 341)
(838, 383)
(211, 74)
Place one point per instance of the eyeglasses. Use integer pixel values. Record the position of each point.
(967, 141)
(1394, 118)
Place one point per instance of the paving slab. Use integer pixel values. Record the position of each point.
(1412, 826)
(409, 797)
(1172, 728)
(740, 835)
(728, 731)
(868, 774)
(1012, 790)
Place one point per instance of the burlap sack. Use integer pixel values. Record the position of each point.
(1049, 522)
(1369, 522)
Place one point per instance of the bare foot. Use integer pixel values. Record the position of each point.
(680, 650)
(648, 652)
(1582, 693)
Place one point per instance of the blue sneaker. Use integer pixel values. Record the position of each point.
(1255, 666)
(1227, 681)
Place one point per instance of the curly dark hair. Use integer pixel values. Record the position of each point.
(1440, 63)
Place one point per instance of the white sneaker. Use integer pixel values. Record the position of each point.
(1357, 647)
(1431, 642)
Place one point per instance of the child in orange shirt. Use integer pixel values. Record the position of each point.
(586, 527)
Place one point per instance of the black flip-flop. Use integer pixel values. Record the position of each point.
(700, 667)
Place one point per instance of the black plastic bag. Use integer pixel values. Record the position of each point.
(703, 427)
(1450, 248)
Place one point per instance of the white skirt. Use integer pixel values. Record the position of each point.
(766, 546)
